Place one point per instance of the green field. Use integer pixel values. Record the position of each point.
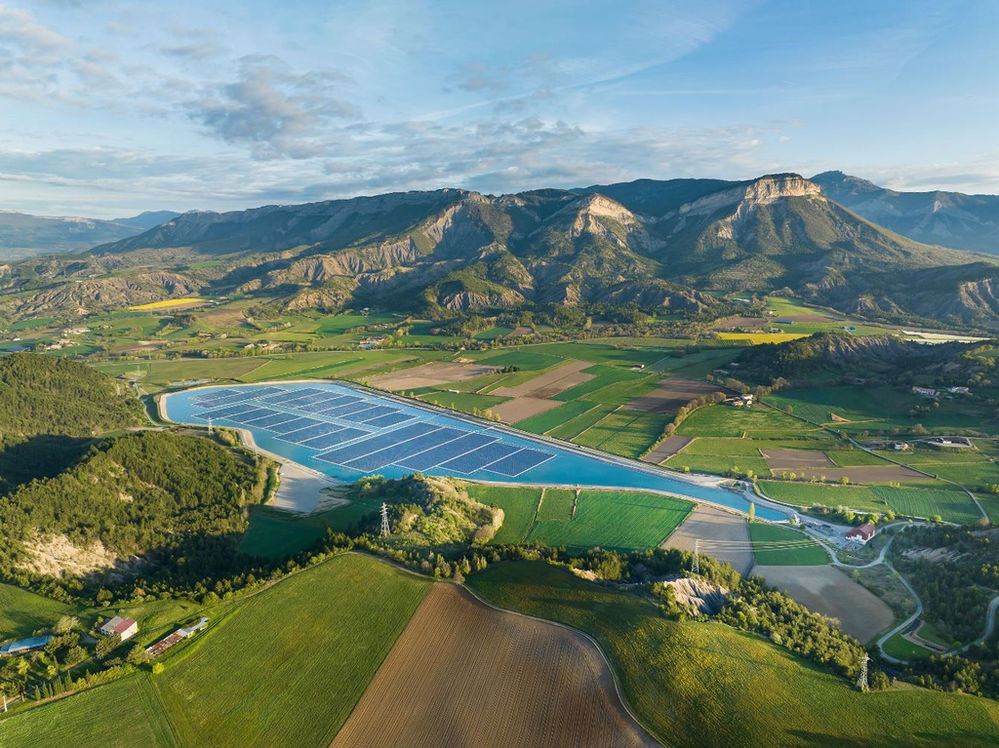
(806, 494)
(527, 359)
(686, 681)
(519, 505)
(723, 420)
(253, 677)
(622, 520)
(576, 426)
(545, 422)
(951, 504)
(775, 545)
(130, 714)
(22, 612)
(903, 649)
(628, 433)
(556, 504)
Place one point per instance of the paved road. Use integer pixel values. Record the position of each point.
(907, 622)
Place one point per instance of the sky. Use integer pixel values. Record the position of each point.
(108, 108)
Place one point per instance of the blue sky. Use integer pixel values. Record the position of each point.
(109, 108)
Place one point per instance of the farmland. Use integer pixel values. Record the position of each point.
(491, 677)
(22, 612)
(683, 682)
(195, 701)
(774, 545)
(623, 520)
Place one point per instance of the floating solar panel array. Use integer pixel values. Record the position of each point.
(365, 434)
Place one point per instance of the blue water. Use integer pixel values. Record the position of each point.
(375, 434)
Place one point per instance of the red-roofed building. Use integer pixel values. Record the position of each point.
(126, 628)
(862, 534)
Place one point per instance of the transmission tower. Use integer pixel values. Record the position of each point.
(209, 425)
(862, 678)
(385, 523)
(695, 567)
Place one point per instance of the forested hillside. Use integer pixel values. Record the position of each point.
(149, 505)
(50, 395)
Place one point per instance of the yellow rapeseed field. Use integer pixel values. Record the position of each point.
(166, 304)
(754, 338)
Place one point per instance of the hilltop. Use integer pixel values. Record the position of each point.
(24, 235)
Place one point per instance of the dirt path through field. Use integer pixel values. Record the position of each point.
(827, 590)
(707, 523)
(464, 674)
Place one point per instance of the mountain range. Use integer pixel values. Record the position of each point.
(23, 235)
(950, 219)
(675, 244)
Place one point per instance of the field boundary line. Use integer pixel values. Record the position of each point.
(607, 661)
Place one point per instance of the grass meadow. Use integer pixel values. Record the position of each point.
(685, 680)
(775, 545)
(22, 612)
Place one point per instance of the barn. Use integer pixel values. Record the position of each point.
(126, 628)
(862, 534)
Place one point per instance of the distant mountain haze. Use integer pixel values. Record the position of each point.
(675, 244)
(950, 219)
(23, 235)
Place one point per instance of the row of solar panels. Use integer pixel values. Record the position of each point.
(418, 446)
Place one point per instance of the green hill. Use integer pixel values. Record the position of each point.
(51, 395)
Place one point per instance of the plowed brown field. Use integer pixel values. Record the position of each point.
(465, 674)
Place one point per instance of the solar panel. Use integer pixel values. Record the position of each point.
(340, 401)
(367, 446)
(221, 412)
(214, 395)
(310, 432)
(472, 461)
(360, 414)
(381, 458)
(294, 425)
(279, 399)
(253, 418)
(250, 414)
(273, 420)
(519, 462)
(377, 412)
(390, 420)
(431, 457)
(331, 440)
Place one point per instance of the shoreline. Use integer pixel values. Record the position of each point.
(696, 479)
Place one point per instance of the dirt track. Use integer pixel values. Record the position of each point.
(707, 523)
(464, 674)
(829, 591)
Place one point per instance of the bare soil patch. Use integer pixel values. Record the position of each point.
(732, 323)
(827, 590)
(710, 523)
(301, 490)
(669, 447)
(465, 674)
(550, 383)
(671, 395)
(57, 556)
(865, 474)
(794, 459)
(523, 407)
(429, 375)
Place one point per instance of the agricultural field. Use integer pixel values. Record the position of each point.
(775, 545)
(136, 719)
(167, 304)
(900, 647)
(761, 423)
(519, 505)
(884, 410)
(827, 590)
(624, 432)
(950, 504)
(208, 704)
(492, 677)
(682, 681)
(622, 520)
(23, 612)
(861, 498)
(707, 523)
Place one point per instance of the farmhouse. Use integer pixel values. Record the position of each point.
(924, 391)
(901, 446)
(959, 390)
(862, 534)
(742, 401)
(126, 628)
